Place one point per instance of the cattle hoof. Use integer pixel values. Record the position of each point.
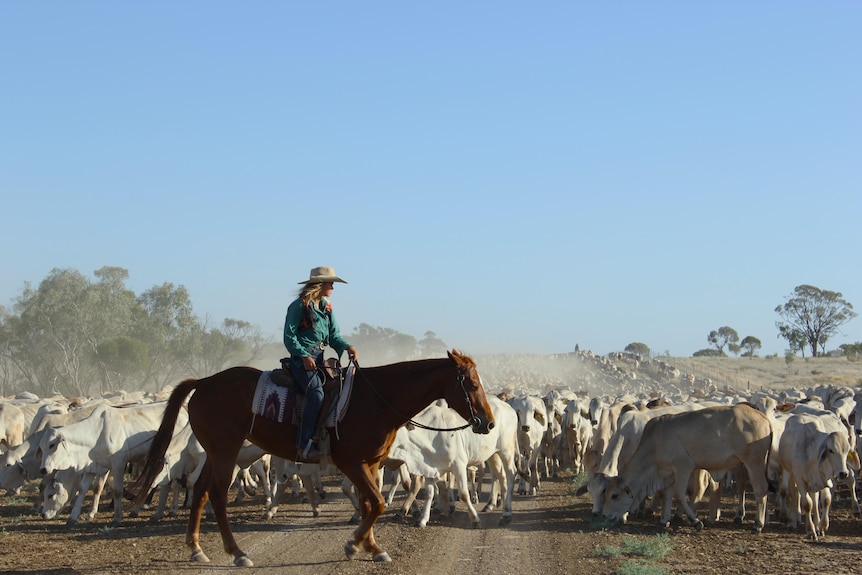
(382, 558)
(315, 513)
(505, 520)
(698, 525)
(350, 550)
(737, 520)
(756, 530)
(199, 557)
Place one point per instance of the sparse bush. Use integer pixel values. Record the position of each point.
(653, 548)
(709, 353)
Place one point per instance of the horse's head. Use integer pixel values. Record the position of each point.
(468, 398)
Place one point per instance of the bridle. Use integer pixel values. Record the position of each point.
(474, 420)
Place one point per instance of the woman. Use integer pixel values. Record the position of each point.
(309, 327)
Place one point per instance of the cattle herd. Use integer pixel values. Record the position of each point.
(631, 445)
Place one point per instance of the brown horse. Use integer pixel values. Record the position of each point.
(382, 400)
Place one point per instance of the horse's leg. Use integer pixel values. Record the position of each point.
(371, 506)
(221, 478)
(200, 495)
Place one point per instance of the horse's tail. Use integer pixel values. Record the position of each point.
(155, 459)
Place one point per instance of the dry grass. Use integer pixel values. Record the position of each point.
(760, 374)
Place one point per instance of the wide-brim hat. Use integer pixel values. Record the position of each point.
(322, 274)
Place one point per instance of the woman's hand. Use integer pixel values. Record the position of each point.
(308, 363)
(351, 353)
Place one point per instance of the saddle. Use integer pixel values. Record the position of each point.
(333, 378)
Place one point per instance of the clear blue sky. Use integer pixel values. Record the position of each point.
(515, 177)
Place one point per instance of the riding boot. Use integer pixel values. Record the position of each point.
(310, 454)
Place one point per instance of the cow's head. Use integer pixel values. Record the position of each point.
(619, 500)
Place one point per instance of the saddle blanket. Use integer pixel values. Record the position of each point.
(270, 400)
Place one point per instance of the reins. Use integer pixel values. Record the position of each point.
(461, 377)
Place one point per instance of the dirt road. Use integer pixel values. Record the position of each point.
(552, 533)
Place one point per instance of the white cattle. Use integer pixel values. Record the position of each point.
(20, 463)
(107, 440)
(532, 426)
(51, 418)
(184, 460)
(577, 433)
(454, 451)
(602, 434)
(672, 446)
(63, 486)
(13, 425)
(553, 444)
(813, 451)
(624, 442)
(307, 475)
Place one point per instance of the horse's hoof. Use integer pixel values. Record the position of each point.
(382, 558)
(243, 561)
(199, 557)
(505, 520)
(350, 550)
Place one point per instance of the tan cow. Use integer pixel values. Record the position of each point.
(673, 446)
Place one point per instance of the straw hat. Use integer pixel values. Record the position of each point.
(322, 274)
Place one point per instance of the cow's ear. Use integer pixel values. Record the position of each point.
(853, 460)
(786, 407)
(582, 490)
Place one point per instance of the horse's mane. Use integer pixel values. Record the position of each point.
(464, 362)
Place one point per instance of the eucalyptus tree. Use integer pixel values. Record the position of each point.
(432, 346)
(723, 336)
(234, 342)
(172, 333)
(381, 345)
(750, 344)
(813, 314)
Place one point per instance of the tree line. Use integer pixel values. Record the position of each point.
(809, 317)
(75, 336)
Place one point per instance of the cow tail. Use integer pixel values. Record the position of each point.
(155, 459)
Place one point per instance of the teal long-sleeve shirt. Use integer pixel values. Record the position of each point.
(301, 341)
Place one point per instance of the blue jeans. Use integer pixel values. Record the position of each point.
(310, 383)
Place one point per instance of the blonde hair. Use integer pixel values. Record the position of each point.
(310, 293)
